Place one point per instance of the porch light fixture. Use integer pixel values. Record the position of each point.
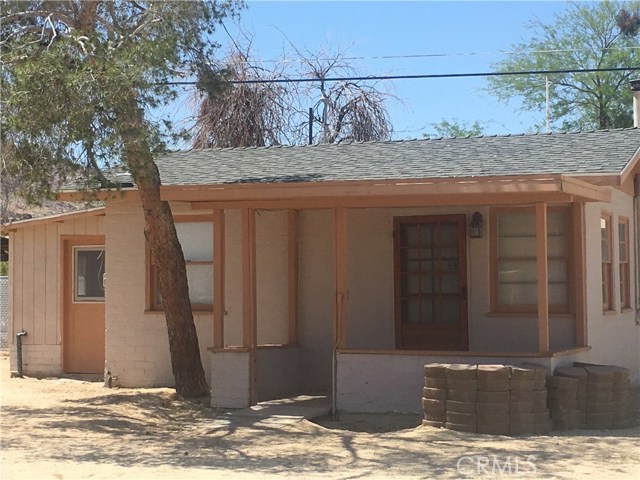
(475, 227)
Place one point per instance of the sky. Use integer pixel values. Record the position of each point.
(433, 37)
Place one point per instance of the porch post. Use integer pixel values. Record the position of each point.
(543, 277)
(249, 317)
(218, 278)
(579, 269)
(293, 276)
(340, 321)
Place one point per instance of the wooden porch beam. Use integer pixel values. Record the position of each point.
(389, 201)
(341, 270)
(218, 278)
(543, 277)
(249, 312)
(579, 274)
(292, 234)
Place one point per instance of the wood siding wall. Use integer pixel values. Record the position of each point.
(35, 277)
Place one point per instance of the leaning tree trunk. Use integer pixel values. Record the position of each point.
(167, 253)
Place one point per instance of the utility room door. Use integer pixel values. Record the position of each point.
(83, 308)
(431, 282)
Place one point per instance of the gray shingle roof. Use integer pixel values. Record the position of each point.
(598, 152)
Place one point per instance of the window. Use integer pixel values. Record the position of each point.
(514, 257)
(196, 238)
(623, 245)
(88, 274)
(607, 254)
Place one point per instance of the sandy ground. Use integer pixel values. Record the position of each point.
(68, 429)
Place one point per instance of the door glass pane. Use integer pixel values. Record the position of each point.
(448, 234)
(449, 310)
(449, 283)
(89, 274)
(427, 311)
(409, 235)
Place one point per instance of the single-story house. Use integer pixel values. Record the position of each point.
(343, 269)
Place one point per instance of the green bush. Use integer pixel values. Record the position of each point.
(4, 268)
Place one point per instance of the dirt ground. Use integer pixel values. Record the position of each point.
(69, 429)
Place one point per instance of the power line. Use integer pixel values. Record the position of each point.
(412, 77)
(443, 55)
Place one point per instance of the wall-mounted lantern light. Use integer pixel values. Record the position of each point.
(475, 227)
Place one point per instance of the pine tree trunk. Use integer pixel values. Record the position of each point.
(167, 253)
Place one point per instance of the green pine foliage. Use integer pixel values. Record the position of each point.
(588, 35)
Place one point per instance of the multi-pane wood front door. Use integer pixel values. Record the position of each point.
(431, 282)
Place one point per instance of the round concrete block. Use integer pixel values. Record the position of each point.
(620, 424)
(600, 397)
(562, 383)
(462, 395)
(493, 397)
(460, 427)
(462, 371)
(433, 423)
(561, 404)
(564, 425)
(572, 372)
(435, 382)
(521, 407)
(435, 370)
(599, 387)
(433, 405)
(435, 416)
(493, 373)
(462, 418)
(461, 407)
(541, 417)
(488, 384)
(434, 393)
(521, 385)
(494, 408)
(540, 371)
(539, 383)
(538, 396)
(543, 428)
(494, 429)
(469, 385)
(599, 420)
(538, 407)
(599, 408)
(565, 415)
(520, 374)
(598, 373)
(522, 429)
(521, 418)
(493, 418)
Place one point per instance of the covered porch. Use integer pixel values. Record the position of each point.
(349, 288)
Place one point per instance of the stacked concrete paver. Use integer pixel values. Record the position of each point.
(608, 396)
(434, 396)
(564, 417)
(462, 393)
(510, 400)
(492, 405)
(491, 399)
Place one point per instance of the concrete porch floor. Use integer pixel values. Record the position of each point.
(277, 412)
